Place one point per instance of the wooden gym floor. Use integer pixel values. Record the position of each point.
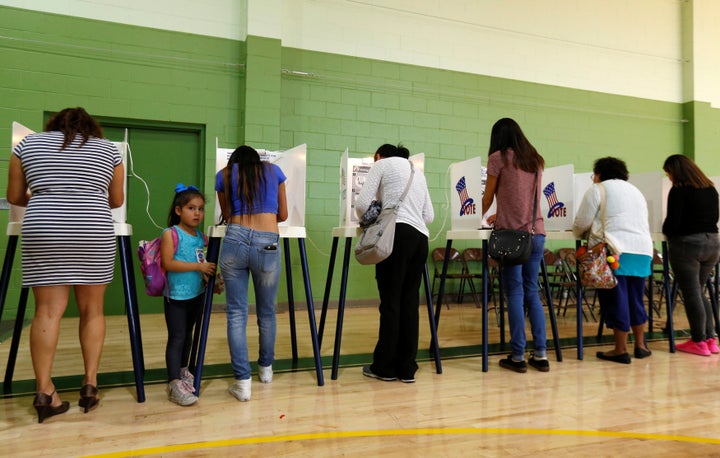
(665, 405)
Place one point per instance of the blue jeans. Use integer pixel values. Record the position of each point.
(244, 252)
(520, 283)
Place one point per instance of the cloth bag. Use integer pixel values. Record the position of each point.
(376, 240)
(595, 272)
(510, 246)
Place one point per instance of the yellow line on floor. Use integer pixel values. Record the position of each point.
(401, 432)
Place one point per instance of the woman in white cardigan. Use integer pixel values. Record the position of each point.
(627, 232)
(398, 277)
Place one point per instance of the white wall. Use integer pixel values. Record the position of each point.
(626, 47)
(219, 18)
(706, 60)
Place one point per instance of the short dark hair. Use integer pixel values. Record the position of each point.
(72, 122)
(610, 168)
(388, 150)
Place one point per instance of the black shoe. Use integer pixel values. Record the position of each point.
(543, 365)
(368, 373)
(407, 380)
(517, 366)
(641, 353)
(622, 358)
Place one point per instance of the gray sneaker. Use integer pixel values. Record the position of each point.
(187, 377)
(241, 389)
(181, 393)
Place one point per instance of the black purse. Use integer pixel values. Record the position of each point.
(511, 247)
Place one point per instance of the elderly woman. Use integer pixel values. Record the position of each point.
(627, 232)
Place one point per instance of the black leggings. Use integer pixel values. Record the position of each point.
(180, 318)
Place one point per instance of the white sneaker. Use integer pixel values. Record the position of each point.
(265, 374)
(187, 377)
(241, 389)
(180, 393)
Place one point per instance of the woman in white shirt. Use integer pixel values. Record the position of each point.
(627, 232)
(398, 277)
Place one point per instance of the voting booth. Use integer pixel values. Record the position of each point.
(293, 164)
(353, 172)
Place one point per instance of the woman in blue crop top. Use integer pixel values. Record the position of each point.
(252, 199)
(691, 229)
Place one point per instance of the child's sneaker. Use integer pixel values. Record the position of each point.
(265, 374)
(187, 377)
(179, 393)
(713, 345)
(696, 348)
(241, 389)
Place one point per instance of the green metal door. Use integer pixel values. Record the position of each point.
(162, 156)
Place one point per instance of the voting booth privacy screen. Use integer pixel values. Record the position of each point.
(466, 187)
(352, 178)
(119, 214)
(292, 162)
(557, 202)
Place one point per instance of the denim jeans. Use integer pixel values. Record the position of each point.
(520, 283)
(244, 252)
(692, 258)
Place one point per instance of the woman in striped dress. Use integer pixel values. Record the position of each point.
(68, 177)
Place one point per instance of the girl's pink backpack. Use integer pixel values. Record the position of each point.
(151, 265)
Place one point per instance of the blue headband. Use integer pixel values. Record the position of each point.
(182, 188)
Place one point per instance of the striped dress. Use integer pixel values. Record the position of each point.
(68, 236)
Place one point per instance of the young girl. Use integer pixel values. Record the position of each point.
(185, 265)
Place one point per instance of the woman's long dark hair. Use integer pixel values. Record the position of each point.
(506, 134)
(251, 174)
(72, 122)
(684, 172)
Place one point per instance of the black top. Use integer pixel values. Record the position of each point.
(691, 211)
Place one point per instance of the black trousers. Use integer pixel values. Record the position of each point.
(398, 279)
(180, 318)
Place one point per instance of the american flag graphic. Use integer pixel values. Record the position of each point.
(465, 199)
(552, 199)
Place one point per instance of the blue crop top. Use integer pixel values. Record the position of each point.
(267, 197)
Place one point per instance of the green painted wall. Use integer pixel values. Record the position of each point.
(50, 62)
(332, 102)
(279, 97)
(703, 136)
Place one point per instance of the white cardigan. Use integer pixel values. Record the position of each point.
(386, 182)
(626, 221)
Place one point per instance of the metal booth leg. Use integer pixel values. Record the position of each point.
(131, 307)
(311, 313)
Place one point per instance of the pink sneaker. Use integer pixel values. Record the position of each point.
(713, 345)
(696, 348)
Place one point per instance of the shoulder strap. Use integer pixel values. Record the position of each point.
(534, 216)
(175, 238)
(407, 186)
(603, 204)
